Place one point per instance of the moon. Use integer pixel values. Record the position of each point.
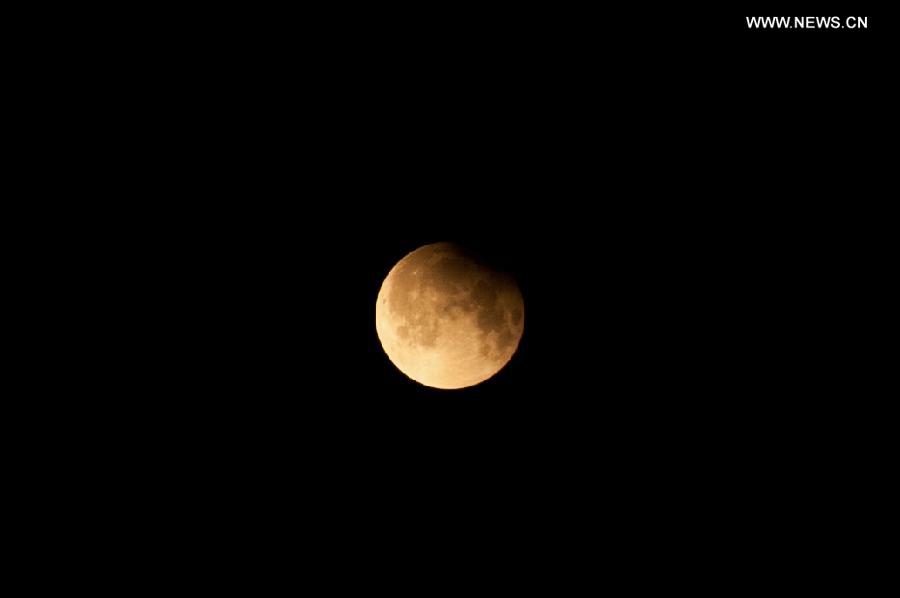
(446, 319)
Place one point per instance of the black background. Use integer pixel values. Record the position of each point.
(685, 204)
(671, 192)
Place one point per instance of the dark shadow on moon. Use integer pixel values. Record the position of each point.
(445, 280)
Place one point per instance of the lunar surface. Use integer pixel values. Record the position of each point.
(446, 320)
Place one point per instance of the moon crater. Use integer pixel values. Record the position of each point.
(447, 320)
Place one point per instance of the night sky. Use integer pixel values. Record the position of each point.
(669, 191)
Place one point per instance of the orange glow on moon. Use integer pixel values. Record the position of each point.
(446, 320)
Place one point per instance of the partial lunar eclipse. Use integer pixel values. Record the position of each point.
(446, 319)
